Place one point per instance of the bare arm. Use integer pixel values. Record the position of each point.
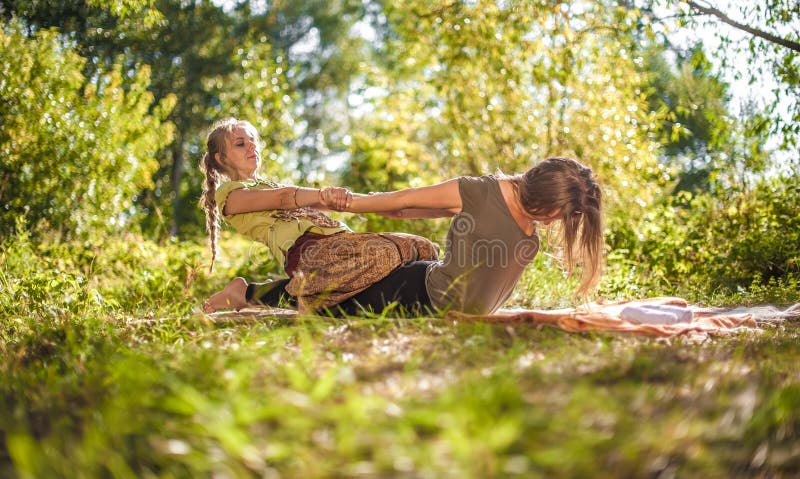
(434, 199)
(285, 198)
(418, 213)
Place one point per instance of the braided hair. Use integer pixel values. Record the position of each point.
(211, 164)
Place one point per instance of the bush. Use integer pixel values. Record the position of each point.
(715, 244)
(74, 151)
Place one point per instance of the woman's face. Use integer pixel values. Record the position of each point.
(545, 220)
(241, 154)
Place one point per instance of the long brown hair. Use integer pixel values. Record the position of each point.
(213, 167)
(564, 186)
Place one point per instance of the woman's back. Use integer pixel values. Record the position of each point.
(485, 253)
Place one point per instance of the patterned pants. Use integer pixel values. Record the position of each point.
(338, 267)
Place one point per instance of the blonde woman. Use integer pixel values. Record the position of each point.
(327, 263)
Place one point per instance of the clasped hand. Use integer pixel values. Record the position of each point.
(336, 198)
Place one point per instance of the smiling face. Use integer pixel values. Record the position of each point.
(241, 159)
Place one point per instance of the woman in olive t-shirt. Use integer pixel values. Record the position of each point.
(493, 233)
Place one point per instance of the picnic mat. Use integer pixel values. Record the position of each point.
(601, 316)
(605, 317)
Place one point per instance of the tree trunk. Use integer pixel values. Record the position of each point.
(177, 176)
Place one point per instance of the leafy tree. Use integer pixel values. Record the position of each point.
(168, 38)
(692, 96)
(194, 49)
(74, 151)
(708, 145)
(473, 87)
(771, 47)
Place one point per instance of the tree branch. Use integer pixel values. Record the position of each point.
(753, 31)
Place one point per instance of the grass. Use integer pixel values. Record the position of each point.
(109, 371)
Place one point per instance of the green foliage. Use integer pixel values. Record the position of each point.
(74, 152)
(694, 99)
(470, 88)
(779, 62)
(715, 243)
(766, 59)
(82, 278)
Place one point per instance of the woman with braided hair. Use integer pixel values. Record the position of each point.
(327, 264)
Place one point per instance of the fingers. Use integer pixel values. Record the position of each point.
(336, 198)
(343, 199)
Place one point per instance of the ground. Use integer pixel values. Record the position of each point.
(292, 396)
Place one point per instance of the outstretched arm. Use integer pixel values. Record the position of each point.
(418, 213)
(285, 198)
(443, 199)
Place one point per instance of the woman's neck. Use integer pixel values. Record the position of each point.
(510, 195)
(243, 177)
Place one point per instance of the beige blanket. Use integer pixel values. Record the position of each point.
(600, 317)
(604, 316)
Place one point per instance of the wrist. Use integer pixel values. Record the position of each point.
(294, 196)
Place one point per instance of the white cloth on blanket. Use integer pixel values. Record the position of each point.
(656, 314)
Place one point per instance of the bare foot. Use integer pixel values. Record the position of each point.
(232, 296)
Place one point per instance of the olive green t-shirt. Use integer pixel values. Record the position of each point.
(278, 229)
(485, 254)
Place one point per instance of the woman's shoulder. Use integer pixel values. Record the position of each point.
(231, 185)
(226, 187)
(475, 190)
(477, 181)
(477, 184)
(248, 183)
(479, 178)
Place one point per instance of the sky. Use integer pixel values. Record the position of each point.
(744, 85)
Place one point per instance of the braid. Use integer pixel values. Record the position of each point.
(213, 171)
(212, 167)
(209, 203)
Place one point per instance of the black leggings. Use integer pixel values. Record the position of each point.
(403, 287)
(271, 293)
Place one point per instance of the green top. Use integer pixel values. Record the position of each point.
(278, 229)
